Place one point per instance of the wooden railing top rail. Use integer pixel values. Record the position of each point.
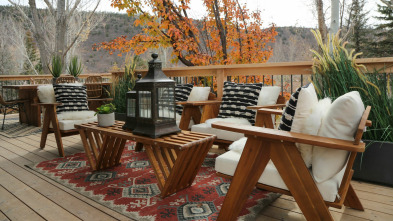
(274, 68)
(28, 77)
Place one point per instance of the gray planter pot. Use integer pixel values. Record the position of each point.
(375, 164)
(120, 116)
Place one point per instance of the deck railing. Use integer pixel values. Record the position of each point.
(287, 75)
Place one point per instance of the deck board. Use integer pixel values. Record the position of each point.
(21, 188)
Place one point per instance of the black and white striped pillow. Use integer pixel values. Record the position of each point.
(236, 98)
(182, 91)
(289, 111)
(71, 97)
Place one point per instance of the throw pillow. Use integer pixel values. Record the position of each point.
(72, 98)
(298, 108)
(46, 94)
(199, 94)
(311, 126)
(341, 122)
(236, 98)
(268, 95)
(182, 91)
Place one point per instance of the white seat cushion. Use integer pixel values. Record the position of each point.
(221, 134)
(227, 163)
(67, 120)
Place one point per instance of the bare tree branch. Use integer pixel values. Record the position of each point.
(81, 28)
(76, 6)
(50, 6)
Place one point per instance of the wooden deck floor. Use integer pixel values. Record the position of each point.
(26, 195)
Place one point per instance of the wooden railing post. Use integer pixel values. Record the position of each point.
(220, 77)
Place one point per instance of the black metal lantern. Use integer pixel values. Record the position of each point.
(155, 102)
(131, 110)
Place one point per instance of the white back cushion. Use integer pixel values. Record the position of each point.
(341, 121)
(306, 100)
(268, 95)
(46, 94)
(199, 94)
(311, 126)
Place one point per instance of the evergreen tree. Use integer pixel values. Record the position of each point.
(382, 46)
(358, 39)
(32, 63)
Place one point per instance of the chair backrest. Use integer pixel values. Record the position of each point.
(65, 79)
(40, 81)
(94, 86)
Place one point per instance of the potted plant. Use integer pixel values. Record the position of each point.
(123, 84)
(75, 67)
(56, 67)
(106, 115)
(335, 73)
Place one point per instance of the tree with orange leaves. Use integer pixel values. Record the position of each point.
(229, 33)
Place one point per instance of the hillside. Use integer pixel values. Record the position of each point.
(292, 43)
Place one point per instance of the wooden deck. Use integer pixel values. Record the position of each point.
(27, 195)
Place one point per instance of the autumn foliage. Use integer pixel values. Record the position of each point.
(227, 33)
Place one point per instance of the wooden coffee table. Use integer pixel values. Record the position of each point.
(175, 158)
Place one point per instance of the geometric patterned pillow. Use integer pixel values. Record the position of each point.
(236, 98)
(182, 91)
(71, 97)
(289, 112)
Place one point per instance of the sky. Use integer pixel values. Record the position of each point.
(297, 13)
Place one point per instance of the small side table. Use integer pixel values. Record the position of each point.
(175, 158)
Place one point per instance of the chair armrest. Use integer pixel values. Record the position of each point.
(269, 111)
(266, 106)
(198, 103)
(279, 135)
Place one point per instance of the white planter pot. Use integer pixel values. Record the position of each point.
(106, 120)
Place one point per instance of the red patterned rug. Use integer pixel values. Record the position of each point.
(132, 190)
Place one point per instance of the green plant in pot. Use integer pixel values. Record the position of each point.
(106, 115)
(56, 67)
(123, 84)
(75, 67)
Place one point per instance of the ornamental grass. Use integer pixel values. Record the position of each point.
(335, 72)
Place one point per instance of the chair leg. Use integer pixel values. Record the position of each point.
(5, 111)
(45, 128)
(352, 200)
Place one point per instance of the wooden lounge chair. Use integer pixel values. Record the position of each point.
(198, 111)
(94, 92)
(60, 127)
(264, 144)
(210, 111)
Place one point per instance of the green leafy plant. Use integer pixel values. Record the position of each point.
(75, 67)
(335, 72)
(106, 109)
(56, 66)
(125, 83)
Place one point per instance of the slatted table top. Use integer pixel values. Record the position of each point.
(179, 141)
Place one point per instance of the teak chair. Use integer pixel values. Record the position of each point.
(94, 92)
(264, 144)
(198, 111)
(65, 79)
(50, 118)
(210, 110)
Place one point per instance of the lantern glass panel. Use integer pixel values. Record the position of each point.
(131, 103)
(165, 103)
(145, 104)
